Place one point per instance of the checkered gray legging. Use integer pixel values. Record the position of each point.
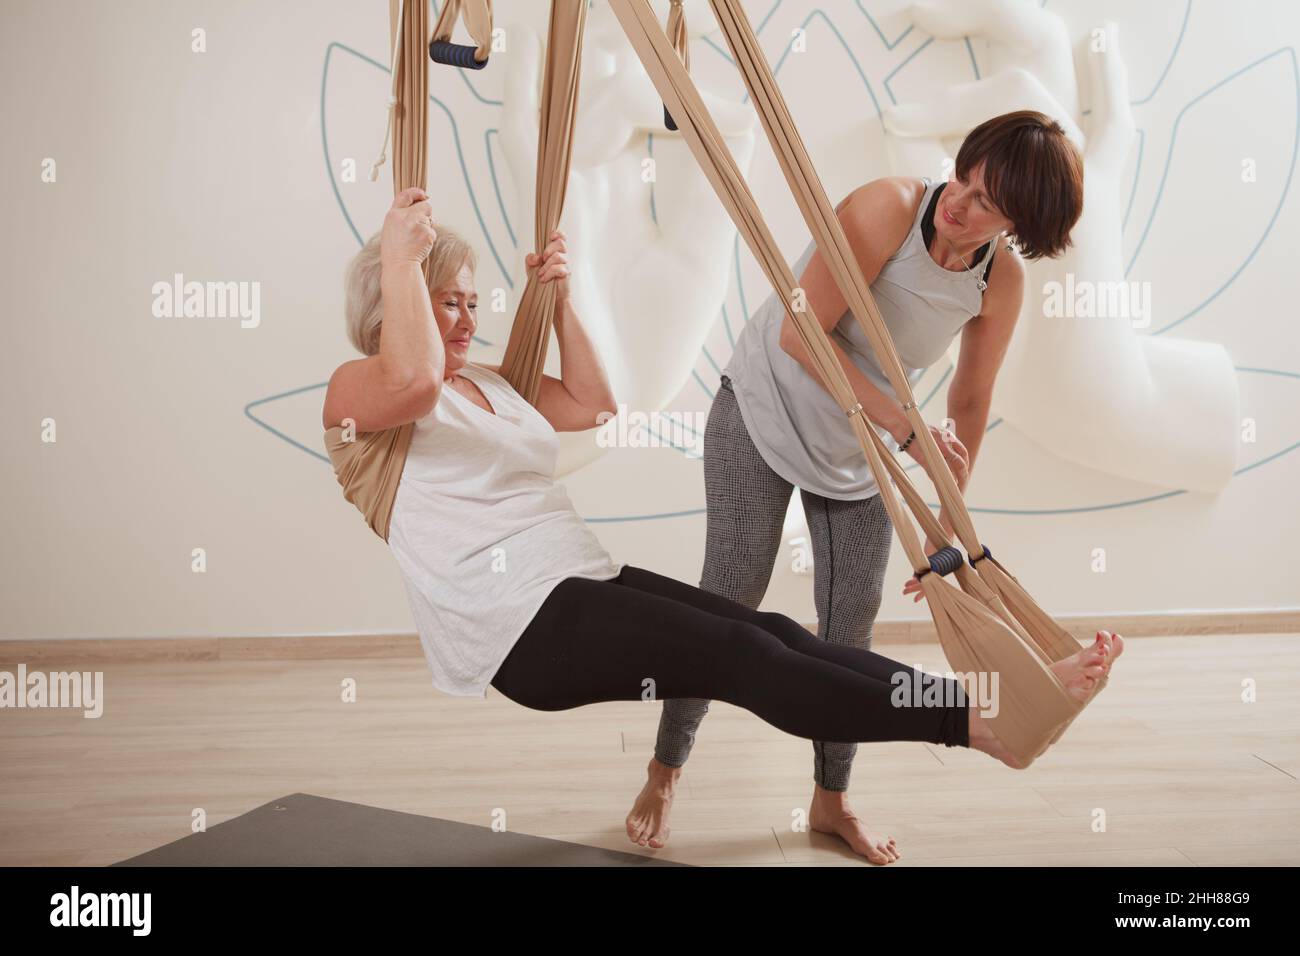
(747, 503)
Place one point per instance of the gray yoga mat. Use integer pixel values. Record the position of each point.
(306, 830)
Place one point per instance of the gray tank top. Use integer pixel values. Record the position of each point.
(798, 428)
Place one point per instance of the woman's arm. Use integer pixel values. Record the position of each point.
(574, 401)
(403, 381)
(876, 219)
(984, 344)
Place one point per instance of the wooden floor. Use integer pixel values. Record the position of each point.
(1183, 771)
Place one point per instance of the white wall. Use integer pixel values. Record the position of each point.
(214, 165)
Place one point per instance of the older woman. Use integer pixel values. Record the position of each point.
(508, 586)
(938, 265)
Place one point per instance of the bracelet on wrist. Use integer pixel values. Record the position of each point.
(910, 438)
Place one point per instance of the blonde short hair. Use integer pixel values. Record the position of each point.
(364, 307)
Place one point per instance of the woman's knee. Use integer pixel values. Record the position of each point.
(750, 642)
(793, 635)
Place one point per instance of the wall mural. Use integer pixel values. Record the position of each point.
(1147, 402)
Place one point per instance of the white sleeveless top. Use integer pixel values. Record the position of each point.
(481, 531)
(796, 425)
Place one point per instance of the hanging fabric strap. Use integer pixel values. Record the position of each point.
(1032, 705)
(530, 334)
(369, 465)
(392, 97)
(677, 36)
(410, 26)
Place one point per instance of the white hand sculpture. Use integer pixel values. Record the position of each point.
(647, 292)
(1090, 389)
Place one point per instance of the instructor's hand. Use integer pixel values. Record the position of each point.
(913, 586)
(953, 452)
(408, 234)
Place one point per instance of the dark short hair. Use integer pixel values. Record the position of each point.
(1033, 174)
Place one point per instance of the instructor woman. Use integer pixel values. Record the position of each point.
(940, 261)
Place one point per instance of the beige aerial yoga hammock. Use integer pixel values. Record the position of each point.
(989, 625)
(369, 465)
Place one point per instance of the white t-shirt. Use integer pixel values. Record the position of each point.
(482, 532)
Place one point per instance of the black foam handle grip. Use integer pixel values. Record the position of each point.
(946, 560)
(668, 119)
(455, 54)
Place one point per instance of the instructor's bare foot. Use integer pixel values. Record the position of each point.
(830, 813)
(647, 824)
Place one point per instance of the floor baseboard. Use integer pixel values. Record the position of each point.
(82, 652)
(1084, 626)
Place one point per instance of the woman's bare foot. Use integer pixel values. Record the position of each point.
(647, 823)
(1081, 672)
(984, 740)
(830, 813)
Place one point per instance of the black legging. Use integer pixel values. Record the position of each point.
(642, 635)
